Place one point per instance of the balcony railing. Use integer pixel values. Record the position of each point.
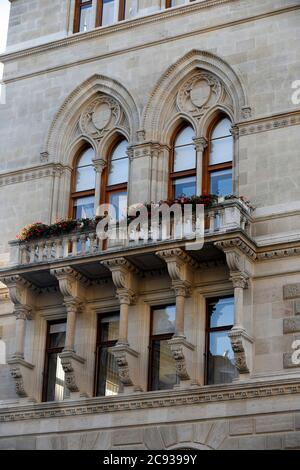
(227, 216)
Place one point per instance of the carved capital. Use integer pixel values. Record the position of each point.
(180, 288)
(23, 312)
(99, 165)
(125, 296)
(73, 305)
(200, 143)
(239, 280)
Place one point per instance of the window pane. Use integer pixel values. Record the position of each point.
(164, 320)
(221, 367)
(120, 150)
(184, 158)
(221, 182)
(109, 328)
(56, 390)
(85, 178)
(108, 12)
(164, 375)
(86, 157)
(57, 334)
(108, 380)
(186, 186)
(222, 129)
(185, 136)
(118, 172)
(221, 151)
(84, 207)
(119, 201)
(221, 312)
(86, 18)
(175, 3)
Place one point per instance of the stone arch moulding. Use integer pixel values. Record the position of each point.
(157, 115)
(72, 121)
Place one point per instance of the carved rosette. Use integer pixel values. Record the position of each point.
(100, 116)
(198, 94)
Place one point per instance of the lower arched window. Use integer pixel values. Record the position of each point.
(83, 185)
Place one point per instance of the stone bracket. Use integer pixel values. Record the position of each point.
(182, 352)
(127, 362)
(21, 372)
(241, 344)
(72, 365)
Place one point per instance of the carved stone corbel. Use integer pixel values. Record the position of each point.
(123, 276)
(182, 352)
(71, 285)
(22, 296)
(239, 257)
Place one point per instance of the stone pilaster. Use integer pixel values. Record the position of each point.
(99, 165)
(200, 144)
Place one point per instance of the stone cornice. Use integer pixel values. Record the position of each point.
(269, 123)
(32, 173)
(139, 21)
(196, 396)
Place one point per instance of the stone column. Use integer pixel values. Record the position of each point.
(181, 292)
(239, 282)
(99, 165)
(72, 310)
(235, 160)
(200, 144)
(125, 297)
(21, 312)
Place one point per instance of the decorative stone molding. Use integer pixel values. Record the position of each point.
(72, 366)
(291, 291)
(28, 174)
(126, 359)
(182, 354)
(291, 325)
(226, 393)
(200, 143)
(269, 123)
(101, 115)
(71, 283)
(199, 93)
(121, 270)
(241, 344)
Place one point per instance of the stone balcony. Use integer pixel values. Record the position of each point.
(226, 217)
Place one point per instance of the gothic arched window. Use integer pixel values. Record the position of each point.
(116, 178)
(183, 168)
(83, 185)
(218, 162)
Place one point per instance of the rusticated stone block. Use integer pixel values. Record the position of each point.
(241, 426)
(291, 291)
(131, 436)
(291, 325)
(292, 440)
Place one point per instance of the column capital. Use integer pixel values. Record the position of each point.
(125, 296)
(99, 164)
(239, 280)
(200, 143)
(23, 312)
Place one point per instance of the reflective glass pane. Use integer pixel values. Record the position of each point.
(108, 12)
(57, 334)
(221, 312)
(84, 207)
(221, 150)
(184, 158)
(85, 178)
(108, 380)
(185, 186)
(86, 157)
(163, 320)
(109, 328)
(221, 182)
(185, 136)
(221, 367)
(120, 150)
(119, 201)
(86, 18)
(164, 375)
(56, 390)
(176, 3)
(221, 129)
(118, 172)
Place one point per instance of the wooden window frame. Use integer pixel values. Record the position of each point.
(106, 189)
(174, 175)
(152, 338)
(99, 13)
(99, 345)
(78, 194)
(209, 330)
(78, 6)
(207, 168)
(49, 351)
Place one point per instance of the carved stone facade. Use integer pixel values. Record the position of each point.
(141, 79)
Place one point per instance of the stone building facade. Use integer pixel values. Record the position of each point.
(82, 78)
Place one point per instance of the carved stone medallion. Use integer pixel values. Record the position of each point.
(100, 116)
(198, 94)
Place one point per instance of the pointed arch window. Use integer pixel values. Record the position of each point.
(83, 182)
(117, 178)
(218, 172)
(183, 163)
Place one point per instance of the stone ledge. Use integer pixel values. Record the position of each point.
(147, 400)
